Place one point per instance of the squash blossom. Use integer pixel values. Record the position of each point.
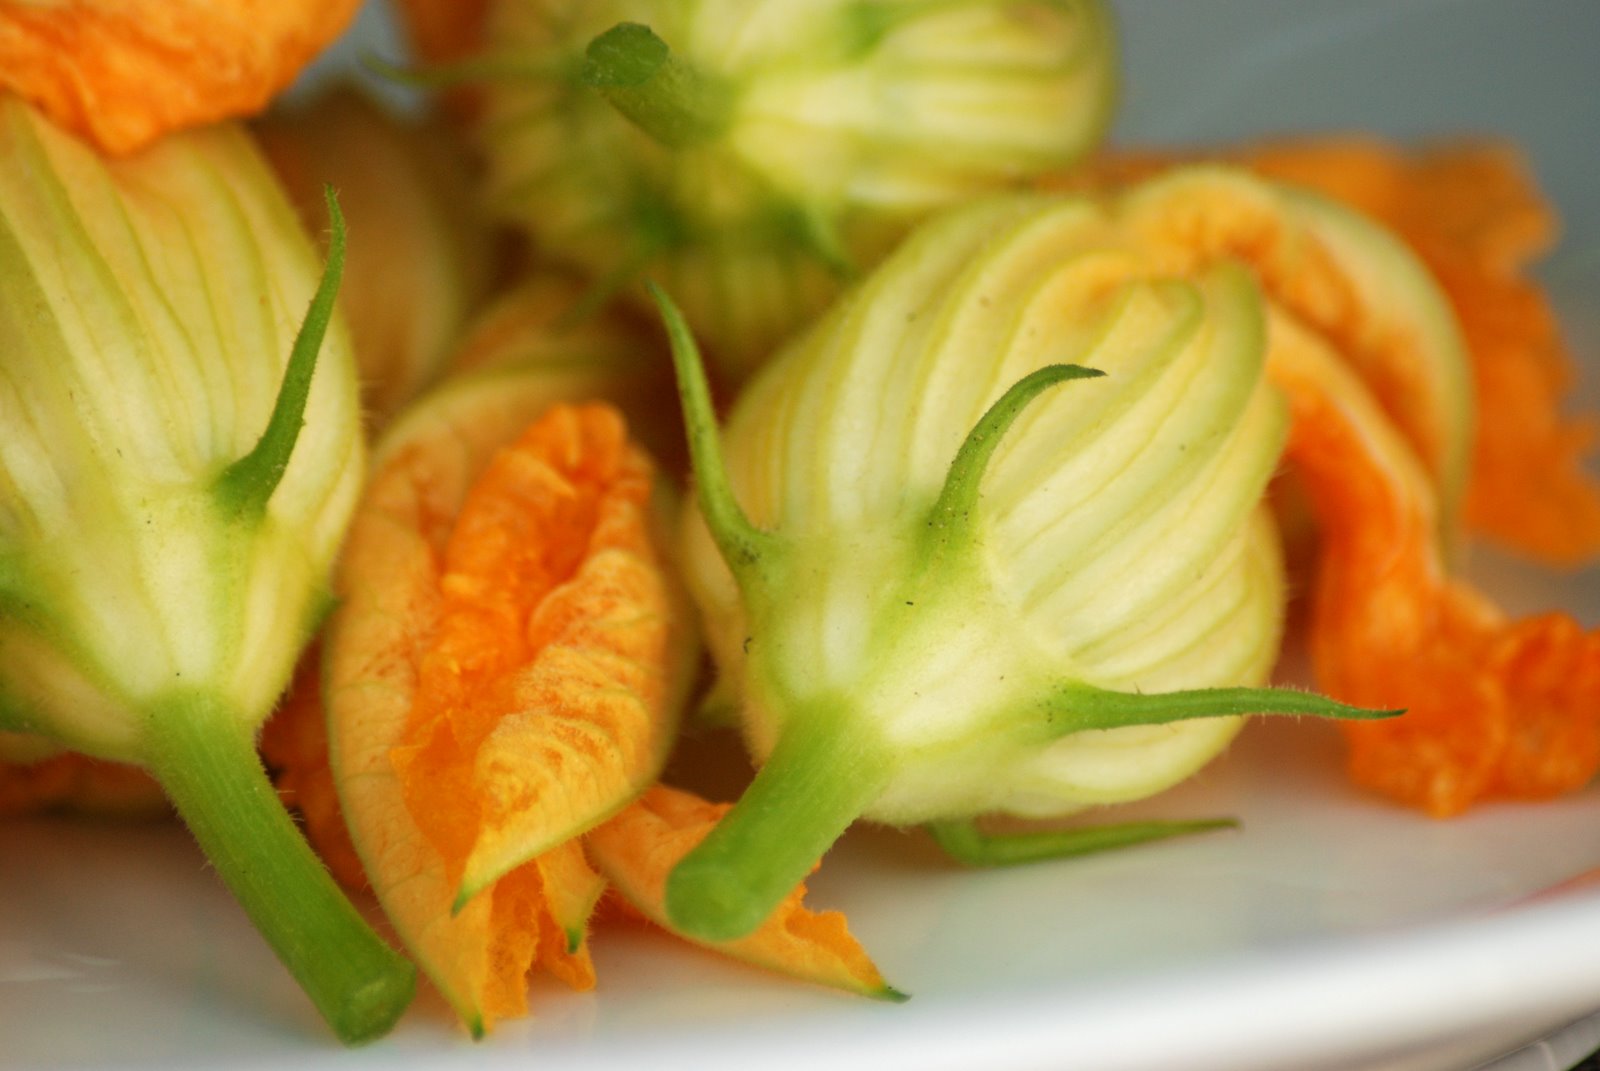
(752, 156)
(945, 586)
(502, 683)
(177, 470)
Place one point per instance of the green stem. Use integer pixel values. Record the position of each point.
(1075, 706)
(818, 779)
(966, 843)
(205, 757)
(672, 101)
(742, 544)
(245, 487)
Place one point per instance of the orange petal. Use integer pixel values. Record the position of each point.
(1494, 707)
(541, 705)
(1531, 488)
(123, 72)
(436, 610)
(638, 848)
(540, 917)
(1475, 217)
(1344, 277)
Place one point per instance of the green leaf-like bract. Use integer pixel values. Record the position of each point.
(245, 487)
(743, 545)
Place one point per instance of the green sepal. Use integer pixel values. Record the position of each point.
(964, 842)
(744, 546)
(949, 522)
(1073, 706)
(245, 487)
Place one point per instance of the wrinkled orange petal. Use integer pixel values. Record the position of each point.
(638, 848)
(540, 912)
(123, 72)
(1476, 219)
(1530, 488)
(1342, 276)
(294, 745)
(540, 917)
(458, 546)
(539, 701)
(1495, 708)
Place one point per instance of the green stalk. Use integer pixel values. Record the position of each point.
(964, 842)
(819, 778)
(672, 101)
(205, 757)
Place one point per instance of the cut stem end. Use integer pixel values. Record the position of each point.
(818, 780)
(672, 101)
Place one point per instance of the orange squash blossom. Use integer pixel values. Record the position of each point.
(1497, 708)
(501, 679)
(503, 639)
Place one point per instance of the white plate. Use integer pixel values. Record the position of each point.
(1333, 931)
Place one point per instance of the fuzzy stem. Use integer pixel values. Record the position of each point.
(245, 487)
(742, 544)
(818, 779)
(205, 757)
(1075, 706)
(966, 843)
(670, 100)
